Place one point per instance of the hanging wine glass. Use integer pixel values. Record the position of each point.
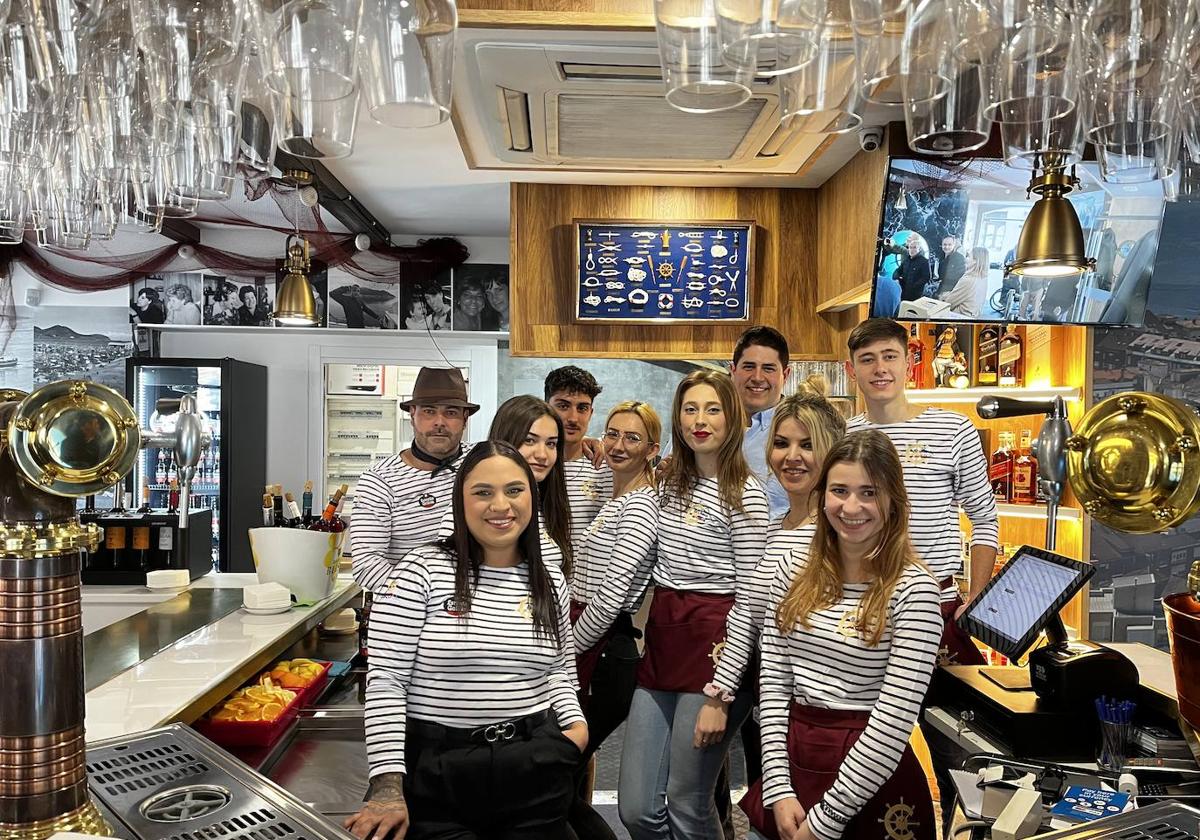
(407, 61)
(769, 37)
(696, 77)
(824, 96)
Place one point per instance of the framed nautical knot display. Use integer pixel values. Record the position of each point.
(651, 273)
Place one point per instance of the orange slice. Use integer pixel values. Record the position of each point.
(271, 711)
(248, 716)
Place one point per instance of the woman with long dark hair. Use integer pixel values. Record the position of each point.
(472, 721)
(534, 429)
(848, 649)
(690, 701)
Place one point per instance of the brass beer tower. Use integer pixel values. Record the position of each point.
(65, 440)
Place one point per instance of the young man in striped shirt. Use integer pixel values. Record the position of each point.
(399, 503)
(570, 391)
(945, 469)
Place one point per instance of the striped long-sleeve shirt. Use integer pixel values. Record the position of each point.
(781, 543)
(829, 665)
(612, 569)
(551, 553)
(396, 508)
(944, 469)
(431, 663)
(588, 489)
(706, 546)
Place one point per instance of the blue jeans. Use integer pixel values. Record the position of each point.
(666, 786)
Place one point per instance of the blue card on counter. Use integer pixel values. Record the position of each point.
(1081, 804)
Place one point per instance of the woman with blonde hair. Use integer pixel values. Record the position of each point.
(612, 572)
(712, 527)
(848, 648)
(967, 296)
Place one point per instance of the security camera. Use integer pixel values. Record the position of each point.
(870, 138)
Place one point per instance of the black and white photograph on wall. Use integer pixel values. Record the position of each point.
(237, 301)
(1135, 571)
(481, 297)
(166, 299)
(81, 342)
(318, 279)
(425, 306)
(360, 304)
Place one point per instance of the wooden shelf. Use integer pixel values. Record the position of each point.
(972, 395)
(1014, 511)
(857, 296)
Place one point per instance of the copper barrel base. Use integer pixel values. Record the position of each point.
(83, 820)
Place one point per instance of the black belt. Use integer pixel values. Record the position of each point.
(491, 733)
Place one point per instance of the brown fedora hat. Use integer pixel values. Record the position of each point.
(440, 386)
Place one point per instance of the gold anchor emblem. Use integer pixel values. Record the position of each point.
(898, 821)
(524, 609)
(588, 488)
(693, 514)
(847, 626)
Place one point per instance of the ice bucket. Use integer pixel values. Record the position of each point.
(1183, 627)
(306, 562)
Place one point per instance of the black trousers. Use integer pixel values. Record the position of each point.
(506, 790)
(613, 683)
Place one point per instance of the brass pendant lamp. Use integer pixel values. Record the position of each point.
(295, 307)
(1051, 242)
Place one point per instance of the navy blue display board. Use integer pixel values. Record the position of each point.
(643, 272)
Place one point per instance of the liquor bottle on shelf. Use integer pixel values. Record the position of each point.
(173, 497)
(145, 508)
(268, 511)
(160, 473)
(307, 498)
(988, 352)
(916, 359)
(329, 520)
(1011, 358)
(1000, 472)
(1025, 472)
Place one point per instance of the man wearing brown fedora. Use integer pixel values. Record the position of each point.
(399, 502)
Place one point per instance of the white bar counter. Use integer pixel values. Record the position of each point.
(191, 674)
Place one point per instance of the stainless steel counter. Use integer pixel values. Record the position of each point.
(112, 650)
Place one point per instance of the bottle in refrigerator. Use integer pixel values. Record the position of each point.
(1025, 472)
(1000, 472)
(160, 472)
(141, 544)
(115, 543)
(173, 497)
(145, 508)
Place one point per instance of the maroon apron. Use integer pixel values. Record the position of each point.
(685, 633)
(586, 662)
(957, 647)
(818, 742)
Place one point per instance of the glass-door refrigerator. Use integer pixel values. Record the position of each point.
(232, 396)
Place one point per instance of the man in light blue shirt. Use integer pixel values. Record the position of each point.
(760, 367)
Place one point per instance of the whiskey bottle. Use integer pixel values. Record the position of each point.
(1025, 473)
(329, 520)
(916, 359)
(988, 356)
(1000, 472)
(1011, 358)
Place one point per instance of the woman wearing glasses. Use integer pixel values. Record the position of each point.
(612, 572)
(712, 531)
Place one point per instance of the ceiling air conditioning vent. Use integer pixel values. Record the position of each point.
(636, 127)
(576, 100)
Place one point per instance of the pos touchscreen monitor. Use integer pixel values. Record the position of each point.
(1023, 599)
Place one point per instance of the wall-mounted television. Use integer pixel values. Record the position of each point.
(948, 228)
